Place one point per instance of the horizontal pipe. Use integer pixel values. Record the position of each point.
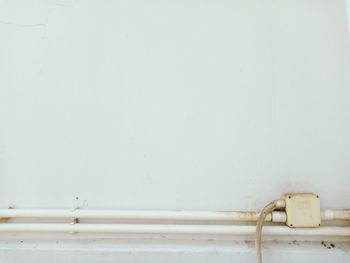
(137, 215)
(229, 216)
(328, 214)
(173, 229)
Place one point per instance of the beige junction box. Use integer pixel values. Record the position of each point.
(303, 210)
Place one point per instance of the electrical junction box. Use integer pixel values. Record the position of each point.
(303, 210)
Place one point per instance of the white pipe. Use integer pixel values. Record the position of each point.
(328, 214)
(229, 216)
(139, 215)
(173, 229)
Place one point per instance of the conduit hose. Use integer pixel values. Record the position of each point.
(266, 210)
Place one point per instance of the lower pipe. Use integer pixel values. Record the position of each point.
(172, 229)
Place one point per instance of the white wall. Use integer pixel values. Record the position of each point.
(165, 252)
(217, 105)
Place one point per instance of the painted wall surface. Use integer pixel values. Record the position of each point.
(122, 251)
(215, 105)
